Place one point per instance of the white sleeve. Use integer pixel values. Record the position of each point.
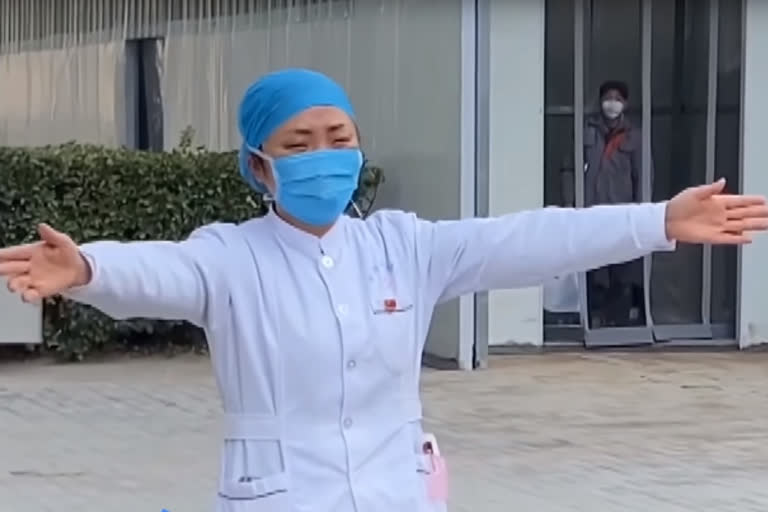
(527, 248)
(163, 280)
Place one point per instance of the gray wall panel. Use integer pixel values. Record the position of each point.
(753, 322)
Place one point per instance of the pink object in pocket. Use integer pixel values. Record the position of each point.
(437, 472)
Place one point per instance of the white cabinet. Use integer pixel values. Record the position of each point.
(19, 322)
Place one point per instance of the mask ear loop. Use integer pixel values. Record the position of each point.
(364, 161)
(357, 209)
(261, 154)
(266, 196)
(352, 203)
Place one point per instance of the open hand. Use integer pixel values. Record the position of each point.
(45, 268)
(704, 215)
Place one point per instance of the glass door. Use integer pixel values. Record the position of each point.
(678, 63)
(616, 43)
(697, 93)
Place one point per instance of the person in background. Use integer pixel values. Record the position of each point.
(612, 175)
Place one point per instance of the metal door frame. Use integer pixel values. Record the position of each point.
(482, 74)
(469, 356)
(610, 336)
(704, 333)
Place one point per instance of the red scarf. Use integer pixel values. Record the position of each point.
(613, 140)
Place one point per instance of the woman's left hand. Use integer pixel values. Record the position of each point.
(704, 215)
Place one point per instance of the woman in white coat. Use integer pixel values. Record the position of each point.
(316, 321)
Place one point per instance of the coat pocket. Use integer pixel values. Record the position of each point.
(253, 475)
(251, 494)
(392, 328)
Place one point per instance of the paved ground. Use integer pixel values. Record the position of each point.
(550, 433)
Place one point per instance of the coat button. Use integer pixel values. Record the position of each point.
(351, 364)
(347, 423)
(327, 262)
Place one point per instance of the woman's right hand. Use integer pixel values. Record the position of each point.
(45, 268)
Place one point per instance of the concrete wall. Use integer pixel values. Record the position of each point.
(753, 320)
(515, 146)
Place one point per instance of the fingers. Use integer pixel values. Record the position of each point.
(24, 252)
(709, 190)
(753, 217)
(747, 212)
(731, 239)
(737, 201)
(19, 252)
(51, 236)
(747, 218)
(14, 267)
(749, 224)
(22, 285)
(19, 284)
(30, 295)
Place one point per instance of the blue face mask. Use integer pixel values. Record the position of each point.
(316, 187)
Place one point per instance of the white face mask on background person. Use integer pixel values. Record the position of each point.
(612, 108)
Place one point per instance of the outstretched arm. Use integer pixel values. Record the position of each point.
(164, 280)
(525, 249)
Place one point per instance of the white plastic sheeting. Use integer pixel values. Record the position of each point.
(400, 61)
(61, 72)
(209, 66)
(209, 62)
(57, 95)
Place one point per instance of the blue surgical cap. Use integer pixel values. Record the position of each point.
(276, 98)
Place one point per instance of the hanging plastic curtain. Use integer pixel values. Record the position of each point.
(61, 73)
(194, 89)
(215, 48)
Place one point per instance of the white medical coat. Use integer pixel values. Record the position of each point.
(316, 343)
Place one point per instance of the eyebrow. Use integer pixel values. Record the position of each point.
(308, 131)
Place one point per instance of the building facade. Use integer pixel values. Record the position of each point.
(470, 106)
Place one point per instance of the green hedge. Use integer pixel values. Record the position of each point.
(92, 192)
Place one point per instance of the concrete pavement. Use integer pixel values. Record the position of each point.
(545, 433)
